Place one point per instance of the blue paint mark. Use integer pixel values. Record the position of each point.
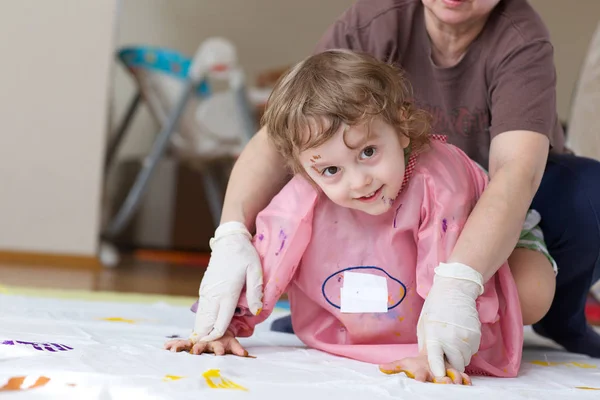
(362, 268)
(261, 236)
(40, 346)
(396, 214)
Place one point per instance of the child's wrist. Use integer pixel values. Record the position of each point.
(230, 332)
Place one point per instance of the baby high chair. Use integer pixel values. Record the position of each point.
(200, 126)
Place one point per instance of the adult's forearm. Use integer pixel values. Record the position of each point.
(257, 176)
(494, 226)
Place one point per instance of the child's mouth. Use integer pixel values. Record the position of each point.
(371, 196)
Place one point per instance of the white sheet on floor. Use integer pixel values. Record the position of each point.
(51, 348)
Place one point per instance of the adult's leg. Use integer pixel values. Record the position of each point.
(535, 282)
(569, 202)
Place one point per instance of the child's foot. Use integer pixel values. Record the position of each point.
(283, 324)
(417, 368)
(586, 341)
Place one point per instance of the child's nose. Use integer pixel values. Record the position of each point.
(361, 179)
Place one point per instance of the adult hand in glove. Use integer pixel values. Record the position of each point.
(233, 262)
(449, 323)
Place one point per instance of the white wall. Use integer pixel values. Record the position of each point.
(571, 25)
(54, 79)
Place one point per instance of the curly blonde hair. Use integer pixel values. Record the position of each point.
(321, 93)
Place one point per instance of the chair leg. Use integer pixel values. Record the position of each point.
(132, 201)
(213, 192)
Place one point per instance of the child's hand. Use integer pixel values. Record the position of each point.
(418, 368)
(228, 344)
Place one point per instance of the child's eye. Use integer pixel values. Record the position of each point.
(330, 171)
(367, 152)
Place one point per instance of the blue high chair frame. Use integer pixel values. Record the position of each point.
(176, 65)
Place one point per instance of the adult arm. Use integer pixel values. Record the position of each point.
(523, 113)
(258, 175)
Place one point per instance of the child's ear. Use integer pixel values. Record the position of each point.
(404, 140)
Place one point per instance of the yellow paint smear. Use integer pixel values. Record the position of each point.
(568, 364)
(214, 380)
(451, 374)
(397, 371)
(586, 388)
(169, 378)
(118, 319)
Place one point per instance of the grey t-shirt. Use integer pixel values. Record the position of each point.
(506, 81)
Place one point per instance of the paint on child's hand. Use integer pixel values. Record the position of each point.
(52, 347)
(119, 319)
(444, 225)
(397, 370)
(396, 214)
(261, 237)
(282, 237)
(214, 380)
(568, 364)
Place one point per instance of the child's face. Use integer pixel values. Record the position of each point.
(367, 178)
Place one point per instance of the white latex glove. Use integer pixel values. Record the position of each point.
(449, 322)
(233, 262)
